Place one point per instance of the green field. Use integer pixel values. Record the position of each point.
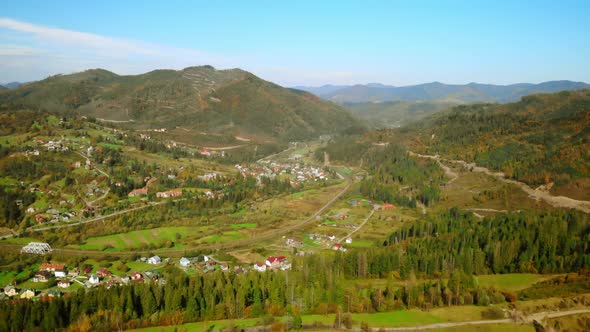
(223, 237)
(490, 328)
(22, 240)
(244, 225)
(135, 239)
(361, 244)
(395, 318)
(217, 325)
(511, 281)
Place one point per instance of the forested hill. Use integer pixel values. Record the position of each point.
(541, 139)
(202, 98)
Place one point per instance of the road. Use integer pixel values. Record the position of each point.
(114, 214)
(555, 201)
(95, 167)
(528, 320)
(359, 227)
(180, 252)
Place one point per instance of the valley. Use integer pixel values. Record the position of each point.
(365, 220)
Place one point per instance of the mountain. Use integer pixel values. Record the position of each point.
(436, 91)
(322, 90)
(393, 114)
(542, 139)
(198, 99)
(12, 85)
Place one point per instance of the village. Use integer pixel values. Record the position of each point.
(295, 172)
(56, 279)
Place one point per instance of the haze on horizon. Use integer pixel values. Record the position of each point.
(304, 42)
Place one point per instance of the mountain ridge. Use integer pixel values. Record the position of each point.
(200, 98)
(437, 91)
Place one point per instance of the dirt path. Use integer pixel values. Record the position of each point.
(555, 201)
(528, 319)
(448, 171)
(114, 121)
(359, 227)
(224, 147)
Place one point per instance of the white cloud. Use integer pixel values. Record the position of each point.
(29, 52)
(80, 39)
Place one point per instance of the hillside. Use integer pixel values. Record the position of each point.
(543, 139)
(395, 113)
(198, 99)
(436, 91)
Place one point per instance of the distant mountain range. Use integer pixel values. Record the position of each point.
(200, 100)
(12, 85)
(438, 92)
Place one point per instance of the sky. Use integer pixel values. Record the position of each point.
(303, 42)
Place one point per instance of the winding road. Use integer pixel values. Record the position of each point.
(555, 201)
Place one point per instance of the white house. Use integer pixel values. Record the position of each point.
(93, 279)
(60, 273)
(348, 240)
(260, 267)
(154, 260)
(185, 262)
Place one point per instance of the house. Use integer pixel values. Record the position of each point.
(59, 273)
(73, 273)
(169, 193)
(338, 247)
(63, 284)
(27, 293)
(339, 216)
(294, 243)
(54, 293)
(184, 262)
(10, 290)
(40, 218)
(224, 267)
(93, 279)
(387, 206)
(205, 152)
(111, 283)
(154, 260)
(30, 210)
(136, 277)
(51, 267)
(103, 273)
(209, 268)
(42, 276)
(348, 240)
(138, 192)
(260, 267)
(274, 262)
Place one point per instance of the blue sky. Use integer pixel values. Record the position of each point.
(303, 42)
